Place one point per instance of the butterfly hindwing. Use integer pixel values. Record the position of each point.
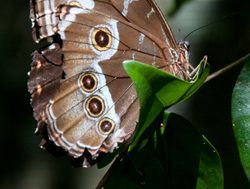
(83, 94)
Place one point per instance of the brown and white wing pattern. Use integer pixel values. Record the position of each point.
(82, 98)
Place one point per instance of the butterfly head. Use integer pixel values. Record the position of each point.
(184, 45)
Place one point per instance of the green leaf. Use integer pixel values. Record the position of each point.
(179, 90)
(141, 170)
(158, 89)
(241, 115)
(176, 156)
(210, 168)
(192, 161)
(178, 146)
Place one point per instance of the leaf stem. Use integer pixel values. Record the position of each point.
(227, 68)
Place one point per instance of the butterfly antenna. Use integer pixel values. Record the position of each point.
(212, 23)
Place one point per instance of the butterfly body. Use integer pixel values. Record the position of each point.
(82, 98)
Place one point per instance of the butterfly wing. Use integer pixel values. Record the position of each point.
(142, 13)
(83, 95)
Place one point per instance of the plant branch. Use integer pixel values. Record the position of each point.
(110, 170)
(227, 68)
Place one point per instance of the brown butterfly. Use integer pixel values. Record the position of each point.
(83, 100)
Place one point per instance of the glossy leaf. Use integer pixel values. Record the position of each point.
(192, 160)
(176, 156)
(241, 115)
(178, 90)
(158, 89)
(210, 168)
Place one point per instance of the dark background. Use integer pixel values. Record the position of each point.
(24, 165)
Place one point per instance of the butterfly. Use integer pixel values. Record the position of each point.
(83, 100)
